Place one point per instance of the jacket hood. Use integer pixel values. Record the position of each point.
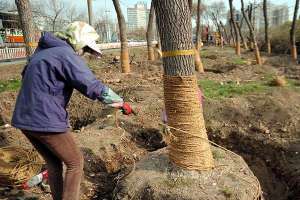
(48, 40)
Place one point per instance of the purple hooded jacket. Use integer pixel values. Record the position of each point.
(48, 81)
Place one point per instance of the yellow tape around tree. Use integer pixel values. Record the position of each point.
(178, 53)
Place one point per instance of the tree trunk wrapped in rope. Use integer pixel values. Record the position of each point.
(25, 16)
(180, 87)
(123, 38)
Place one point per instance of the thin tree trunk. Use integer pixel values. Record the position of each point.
(198, 26)
(231, 32)
(242, 36)
(191, 5)
(150, 34)
(293, 33)
(225, 32)
(236, 33)
(250, 13)
(123, 38)
(90, 11)
(267, 39)
(180, 87)
(216, 21)
(25, 16)
(54, 23)
(198, 61)
(252, 34)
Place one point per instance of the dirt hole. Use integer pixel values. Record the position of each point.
(94, 172)
(264, 161)
(150, 139)
(217, 69)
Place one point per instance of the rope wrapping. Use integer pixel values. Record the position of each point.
(184, 112)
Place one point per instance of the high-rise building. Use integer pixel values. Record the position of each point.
(277, 14)
(138, 16)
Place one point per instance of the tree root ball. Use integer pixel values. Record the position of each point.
(156, 178)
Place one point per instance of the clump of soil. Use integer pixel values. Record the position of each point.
(279, 81)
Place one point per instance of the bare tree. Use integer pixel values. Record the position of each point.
(55, 9)
(123, 38)
(195, 9)
(239, 26)
(198, 25)
(198, 61)
(267, 38)
(252, 34)
(224, 31)
(216, 22)
(293, 33)
(90, 11)
(236, 33)
(231, 32)
(217, 12)
(25, 15)
(184, 112)
(72, 13)
(150, 34)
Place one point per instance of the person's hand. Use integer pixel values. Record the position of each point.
(110, 98)
(126, 109)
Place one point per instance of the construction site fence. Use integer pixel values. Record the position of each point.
(9, 53)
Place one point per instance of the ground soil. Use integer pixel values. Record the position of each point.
(262, 127)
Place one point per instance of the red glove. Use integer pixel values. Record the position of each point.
(126, 109)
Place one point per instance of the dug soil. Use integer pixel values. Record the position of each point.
(261, 126)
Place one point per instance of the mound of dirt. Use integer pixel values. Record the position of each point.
(111, 147)
(156, 178)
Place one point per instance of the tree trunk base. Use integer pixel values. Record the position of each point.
(198, 62)
(158, 53)
(294, 53)
(238, 49)
(269, 48)
(151, 56)
(156, 178)
(257, 54)
(245, 46)
(125, 61)
(184, 113)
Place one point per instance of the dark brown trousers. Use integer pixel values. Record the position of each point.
(56, 149)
